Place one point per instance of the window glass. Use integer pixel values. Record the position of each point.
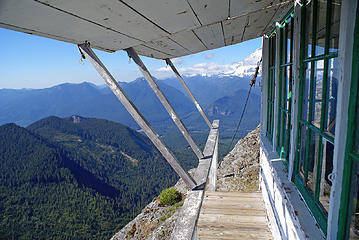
(303, 140)
(318, 93)
(326, 177)
(332, 90)
(312, 161)
(334, 29)
(308, 29)
(321, 26)
(306, 92)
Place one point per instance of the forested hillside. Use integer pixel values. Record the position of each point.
(76, 178)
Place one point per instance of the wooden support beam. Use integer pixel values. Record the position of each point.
(185, 227)
(132, 54)
(169, 62)
(137, 116)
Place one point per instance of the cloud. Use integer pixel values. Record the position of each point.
(209, 56)
(243, 68)
(177, 61)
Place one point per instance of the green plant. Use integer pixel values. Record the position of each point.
(170, 196)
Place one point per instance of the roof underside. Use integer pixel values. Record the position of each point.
(154, 28)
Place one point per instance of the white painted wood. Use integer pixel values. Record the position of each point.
(137, 116)
(168, 46)
(234, 29)
(295, 89)
(33, 17)
(210, 11)
(293, 217)
(211, 35)
(212, 178)
(150, 52)
(188, 40)
(112, 14)
(345, 59)
(172, 15)
(244, 7)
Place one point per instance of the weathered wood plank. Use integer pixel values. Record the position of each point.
(233, 215)
(211, 35)
(212, 178)
(72, 29)
(168, 46)
(132, 53)
(150, 52)
(235, 194)
(137, 116)
(210, 11)
(173, 16)
(202, 171)
(112, 14)
(233, 211)
(188, 40)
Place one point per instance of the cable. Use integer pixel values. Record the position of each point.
(251, 84)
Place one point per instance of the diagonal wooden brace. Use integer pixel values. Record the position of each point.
(137, 116)
(169, 62)
(132, 54)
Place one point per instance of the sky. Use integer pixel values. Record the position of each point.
(29, 61)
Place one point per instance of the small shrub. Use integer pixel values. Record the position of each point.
(179, 204)
(170, 196)
(163, 218)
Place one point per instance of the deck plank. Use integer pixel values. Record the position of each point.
(233, 215)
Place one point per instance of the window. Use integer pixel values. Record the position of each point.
(271, 87)
(317, 109)
(349, 205)
(285, 82)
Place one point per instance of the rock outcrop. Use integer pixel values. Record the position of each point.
(239, 170)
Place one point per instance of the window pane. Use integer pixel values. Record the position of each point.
(334, 26)
(318, 93)
(321, 24)
(306, 92)
(313, 160)
(327, 169)
(303, 140)
(308, 29)
(332, 95)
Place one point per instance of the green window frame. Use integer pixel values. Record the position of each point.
(285, 83)
(271, 86)
(317, 105)
(349, 208)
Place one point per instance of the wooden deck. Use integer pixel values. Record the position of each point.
(233, 215)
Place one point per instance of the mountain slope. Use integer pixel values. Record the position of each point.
(26, 106)
(76, 178)
(40, 197)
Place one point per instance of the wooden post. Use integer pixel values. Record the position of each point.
(137, 116)
(169, 62)
(132, 54)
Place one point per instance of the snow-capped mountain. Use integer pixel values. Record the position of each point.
(244, 68)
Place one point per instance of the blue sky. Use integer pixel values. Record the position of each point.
(29, 61)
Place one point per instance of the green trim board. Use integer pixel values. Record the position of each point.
(285, 82)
